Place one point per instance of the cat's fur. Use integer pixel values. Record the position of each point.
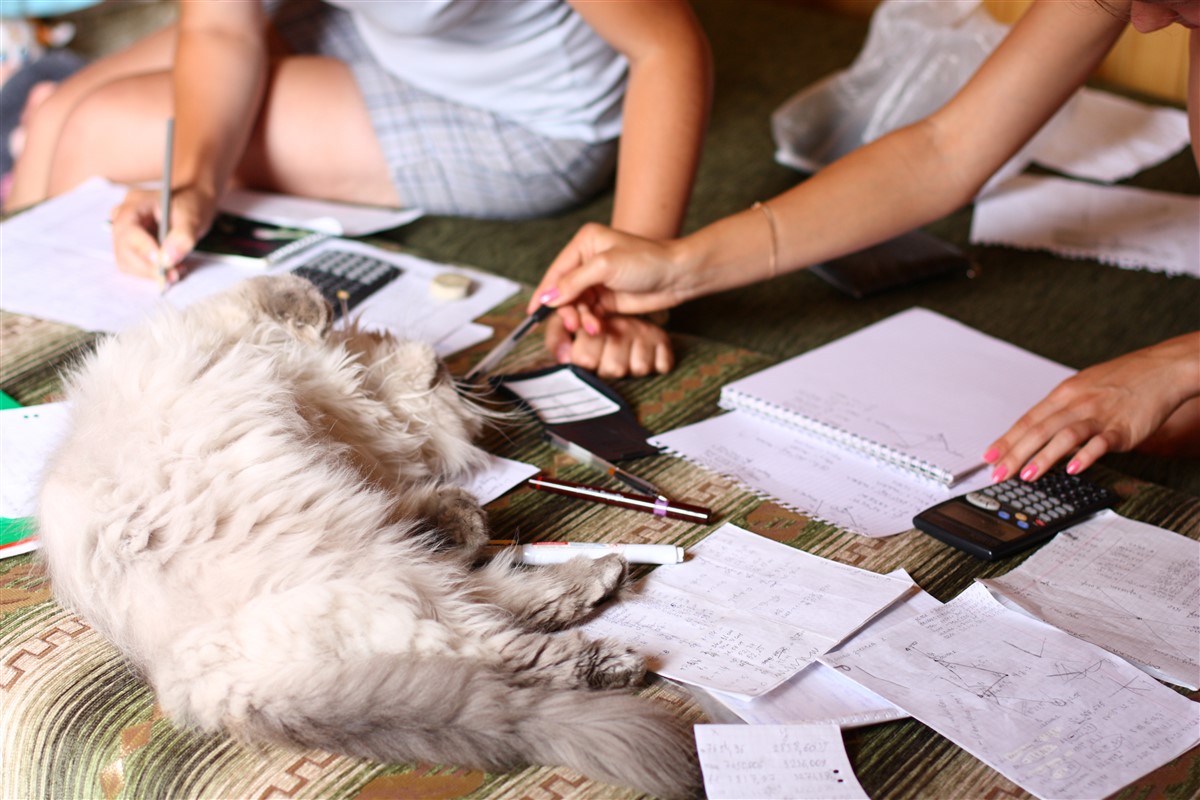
(255, 509)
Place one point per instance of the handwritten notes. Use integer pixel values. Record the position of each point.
(819, 694)
(775, 762)
(561, 396)
(1131, 588)
(1056, 715)
(743, 614)
(810, 475)
(27, 437)
(1120, 225)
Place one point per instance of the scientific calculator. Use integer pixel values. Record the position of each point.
(1010, 516)
(356, 274)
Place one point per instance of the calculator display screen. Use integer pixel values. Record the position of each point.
(981, 522)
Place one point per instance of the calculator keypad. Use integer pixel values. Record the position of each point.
(1055, 498)
(356, 274)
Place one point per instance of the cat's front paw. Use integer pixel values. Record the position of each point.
(608, 664)
(461, 520)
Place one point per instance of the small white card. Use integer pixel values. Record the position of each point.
(775, 762)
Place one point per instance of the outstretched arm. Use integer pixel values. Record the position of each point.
(218, 82)
(901, 181)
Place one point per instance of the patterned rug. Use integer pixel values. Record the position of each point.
(77, 723)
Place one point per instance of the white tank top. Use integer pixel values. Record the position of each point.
(536, 62)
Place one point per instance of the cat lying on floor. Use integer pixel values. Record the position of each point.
(258, 511)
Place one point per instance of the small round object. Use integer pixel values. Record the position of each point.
(450, 286)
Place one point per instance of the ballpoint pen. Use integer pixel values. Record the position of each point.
(506, 344)
(164, 221)
(586, 456)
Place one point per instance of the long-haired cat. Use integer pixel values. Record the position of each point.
(260, 513)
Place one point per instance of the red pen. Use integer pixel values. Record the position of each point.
(659, 506)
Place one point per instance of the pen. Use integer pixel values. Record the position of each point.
(588, 457)
(506, 344)
(557, 552)
(164, 222)
(658, 506)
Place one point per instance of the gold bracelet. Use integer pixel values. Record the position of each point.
(773, 264)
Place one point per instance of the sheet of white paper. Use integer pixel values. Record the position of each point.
(336, 219)
(809, 474)
(500, 476)
(561, 396)
(1105, 137)
(468, 335)
(1054, 714)
(1119, 225)
(775, 762)
(27, 438)
(1129, 587)
(743, 613)
(820, 694)
(918, 388)
(74, 222)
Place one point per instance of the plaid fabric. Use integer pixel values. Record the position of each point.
(445, 157)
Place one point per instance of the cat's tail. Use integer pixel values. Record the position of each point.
(402, 709)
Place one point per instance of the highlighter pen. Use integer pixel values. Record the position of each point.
(506, 344)
(658, 506)
(541, 553)
(164, 221)
(588, 457)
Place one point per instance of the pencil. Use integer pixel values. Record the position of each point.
(164, 221)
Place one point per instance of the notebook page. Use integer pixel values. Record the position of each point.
(917, 389)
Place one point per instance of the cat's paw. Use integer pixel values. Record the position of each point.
(294, 302)
(461, 520)
(608, 664)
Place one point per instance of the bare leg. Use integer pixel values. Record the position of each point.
(313, 138)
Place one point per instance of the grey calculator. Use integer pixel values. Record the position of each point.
(357, 275)
(1010, 516)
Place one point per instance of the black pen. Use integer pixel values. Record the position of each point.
(658, 506)
(506, 344)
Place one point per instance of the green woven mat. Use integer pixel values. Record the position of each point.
(78, 723)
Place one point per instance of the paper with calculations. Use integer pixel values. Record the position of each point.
(775, 762)
(916, 388)
(809, 474)
(561, 396)
(820, 694)
(1129, 587)
(743, 614)
(1054, 714)
(27, 438)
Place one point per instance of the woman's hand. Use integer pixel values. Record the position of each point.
(609, 272)
(135, 225)
(1112, 407)
(619, 347)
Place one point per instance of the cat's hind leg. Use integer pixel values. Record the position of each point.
(554, 596)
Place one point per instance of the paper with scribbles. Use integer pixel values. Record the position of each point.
(808, 474)
(1054, 714)
(1129, 587)
(743, 614)
(775, 762)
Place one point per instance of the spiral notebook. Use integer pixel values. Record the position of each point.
(917, 390)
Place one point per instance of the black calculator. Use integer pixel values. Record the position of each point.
(1007, 517)
(347, 278)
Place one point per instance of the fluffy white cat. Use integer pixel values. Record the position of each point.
(259, 512)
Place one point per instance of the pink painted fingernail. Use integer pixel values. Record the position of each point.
(1030, 473)
(592, 328)
(999, 473)
(991, 455)
(563, 353)
(549, 296)
(1073, 467)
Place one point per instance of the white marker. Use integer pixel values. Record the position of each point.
(540, 553)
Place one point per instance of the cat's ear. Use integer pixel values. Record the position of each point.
(293, 301)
